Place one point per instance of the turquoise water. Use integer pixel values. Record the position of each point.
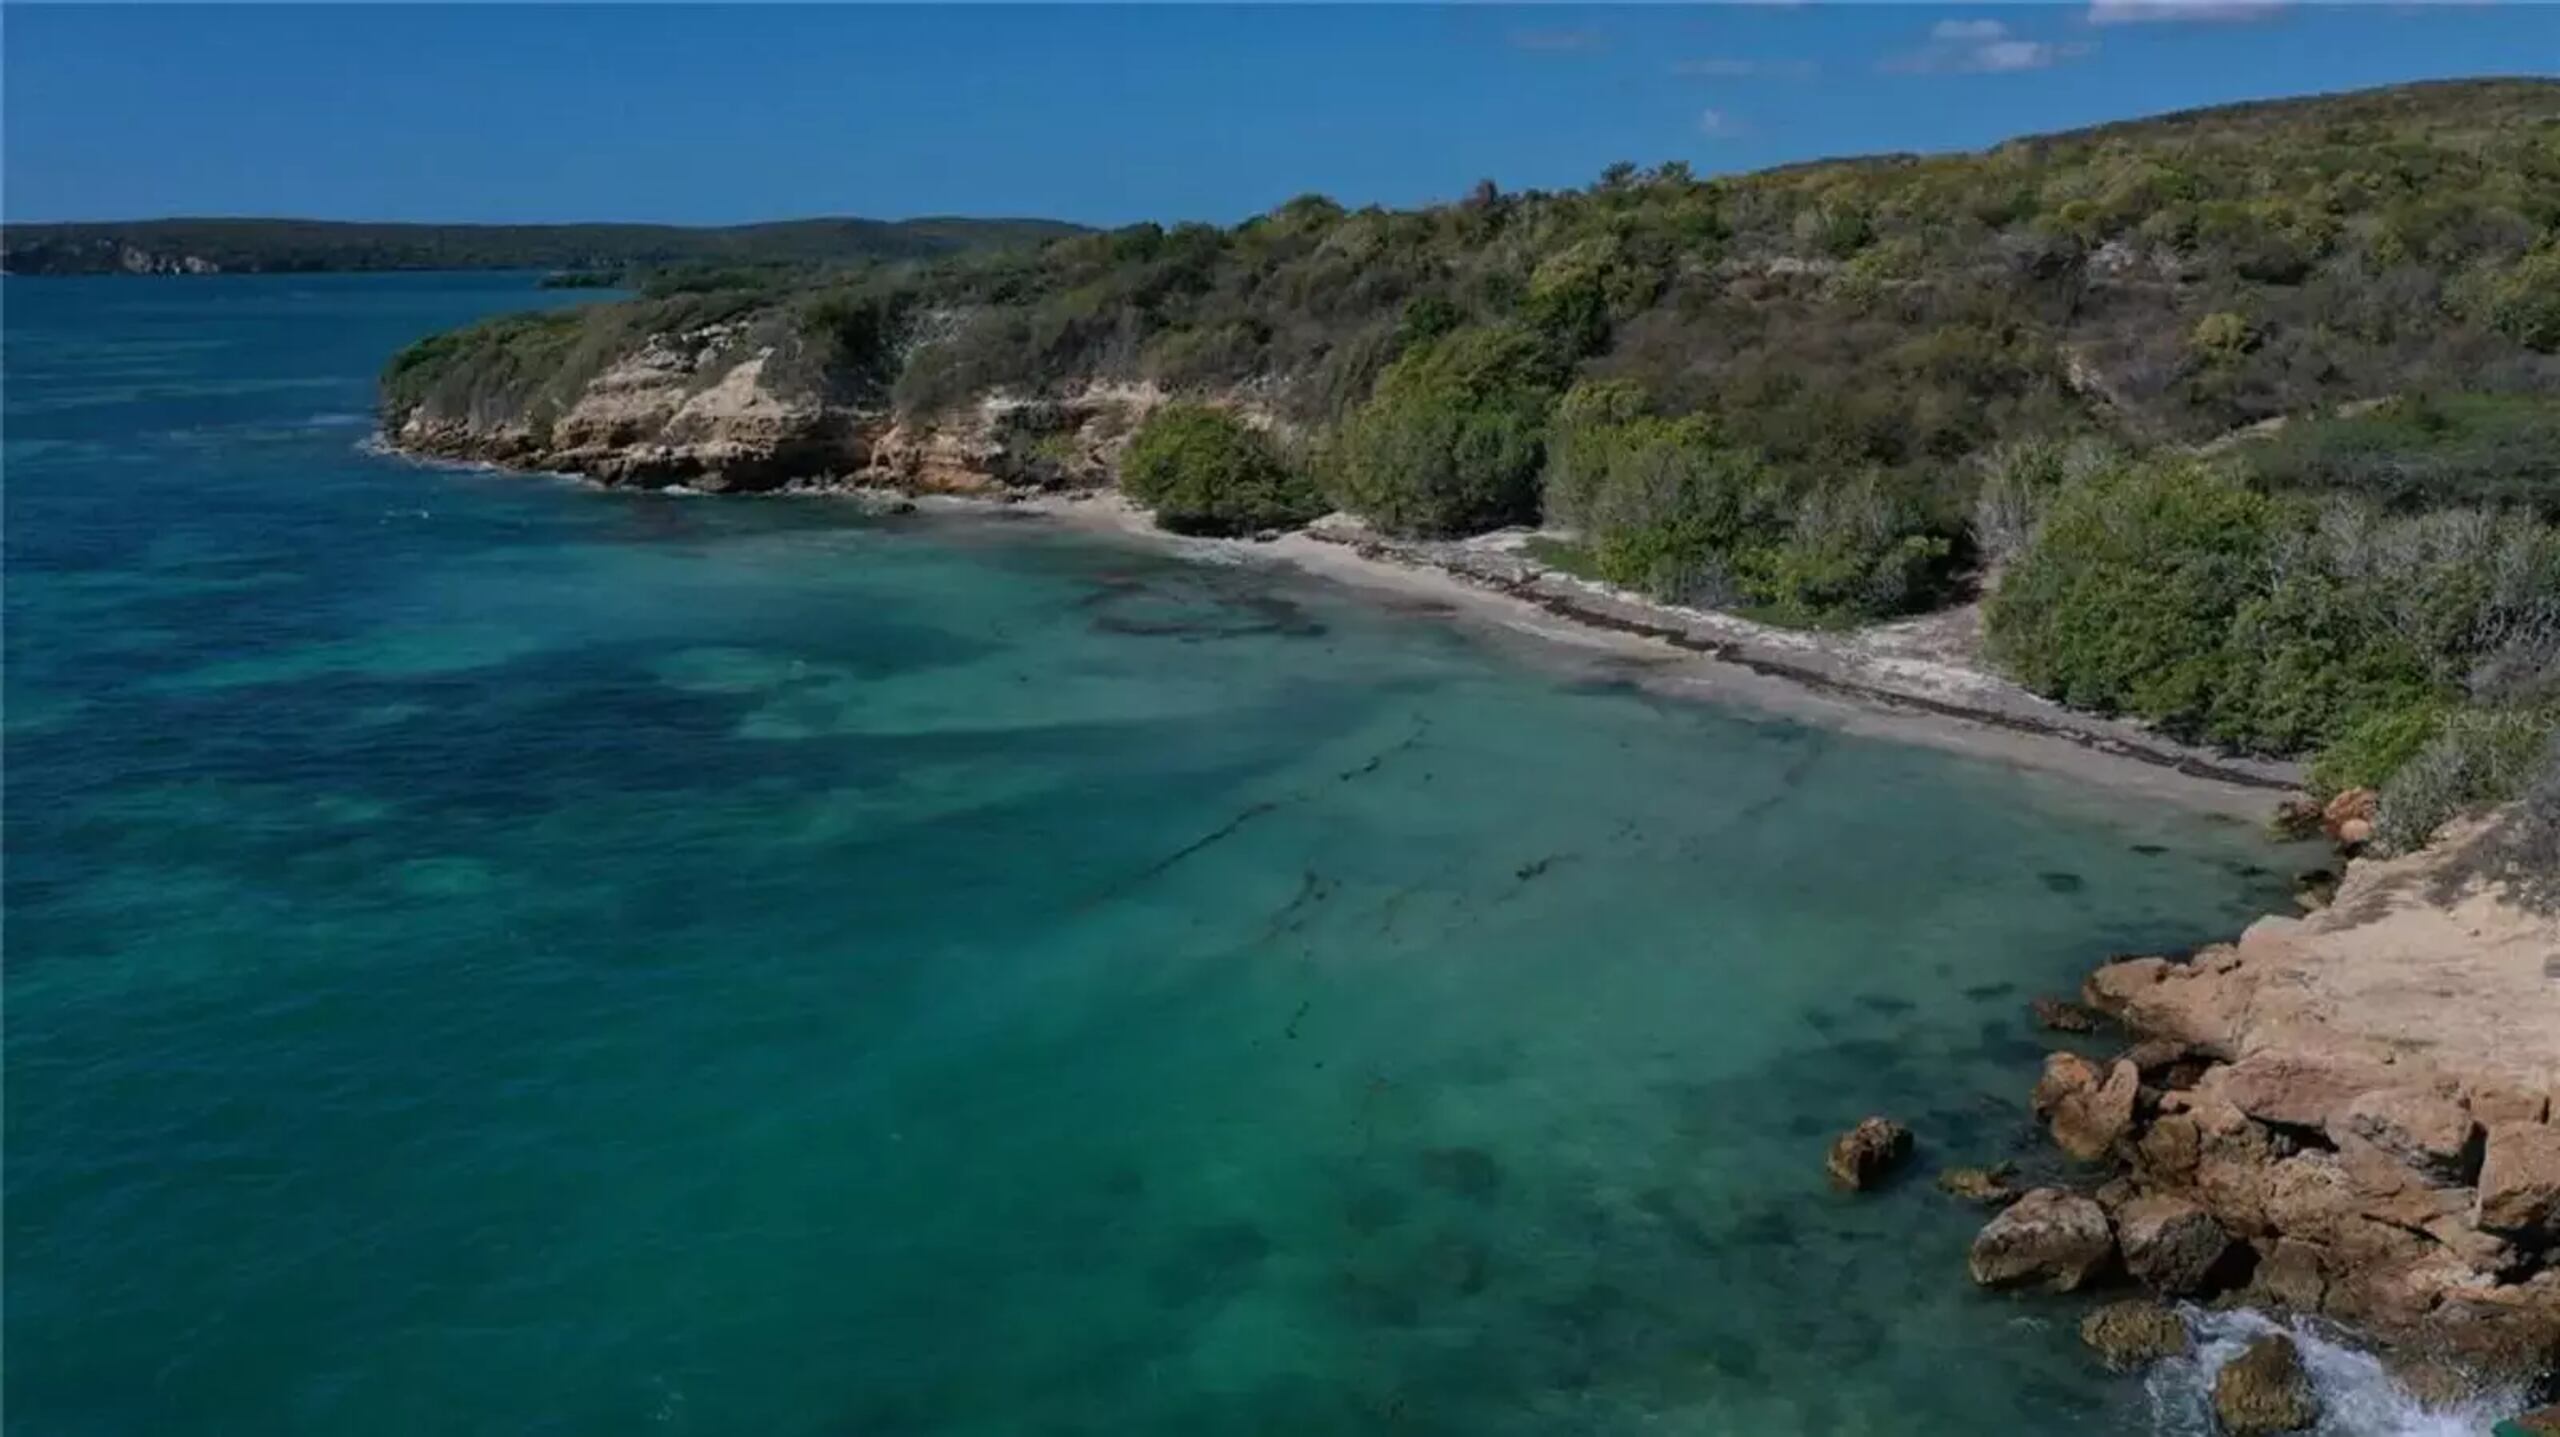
(489, 956)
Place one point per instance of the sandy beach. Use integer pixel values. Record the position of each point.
(1911, 681)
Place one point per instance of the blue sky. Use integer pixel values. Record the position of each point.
(723, 114)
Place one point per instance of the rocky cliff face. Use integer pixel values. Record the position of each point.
(100, 255)
(2361, 1100)
(709, 410)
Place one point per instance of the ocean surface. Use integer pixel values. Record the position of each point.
(486, 955)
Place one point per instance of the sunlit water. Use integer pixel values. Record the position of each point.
(489, 956)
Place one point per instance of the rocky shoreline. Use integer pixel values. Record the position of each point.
(2347, 1116)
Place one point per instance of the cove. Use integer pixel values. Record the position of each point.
(491, 956)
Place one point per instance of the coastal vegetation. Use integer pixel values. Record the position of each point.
(2242, 420)
(2413, 649)
(1205, 471)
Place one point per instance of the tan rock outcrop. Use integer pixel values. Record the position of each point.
(2520, 1183)
(2265, 1390)
(2127, 1335)
(1991, 1186)
(2361, 1096)
(2088, 1122)
(2306, 1083)
(734, 406)
(2426, 1130)
(1862, 1157)
(2048, 1238)
(2170, 1243)
(2064, 1074)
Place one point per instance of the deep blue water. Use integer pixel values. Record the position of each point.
(490, 956)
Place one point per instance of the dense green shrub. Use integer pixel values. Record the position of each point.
(2524, 300)
(2222, 336)
(1205, 471)
(2018, 483)
(852, 339)
(1452, 441)
(2414, 652)
(2371, 749)
(1676, 508)
(2124, 601)
(1854, 549)
(2424, 450)
(487, 370)
(2475, 758)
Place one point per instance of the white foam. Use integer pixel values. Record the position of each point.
(2358, 1397)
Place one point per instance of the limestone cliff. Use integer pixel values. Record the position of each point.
(719, 408)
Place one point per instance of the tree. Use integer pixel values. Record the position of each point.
(1205, 471)
(2125, 600)
(1452, 441)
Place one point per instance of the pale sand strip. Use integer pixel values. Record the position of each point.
(1909, 681)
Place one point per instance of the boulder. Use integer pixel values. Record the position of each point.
(2061, 1015)
(2064, 1074)
(2496, 1103)
(2299, 1087)
(2506, 1336)
(2350, 806)
(2201, 1001)
(2170, 1244)
(2296, 818)
(2294, 1274)
(2233, 1156)
(2482, 1252)
(2127, 1335)
(2520, 1183)
(2047, 1238)
(2265, 1390)
(1861, 1157)
(2089, 1122)
(2389, 1190)
(2168, 1149)
(2429, 1133)
(2161, 1055)
(1989, 1186)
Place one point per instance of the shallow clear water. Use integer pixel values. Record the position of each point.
(488, 956)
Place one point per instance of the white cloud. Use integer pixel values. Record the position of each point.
(1982, 47)
(2145, 12)
(1717, 125)
(1731, 69)
(2007, 55)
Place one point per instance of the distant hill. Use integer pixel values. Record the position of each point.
(229, 246)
